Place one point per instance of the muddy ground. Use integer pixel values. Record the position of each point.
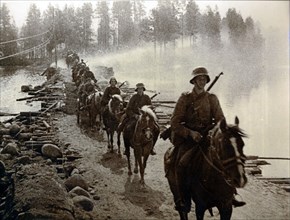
(40, 191)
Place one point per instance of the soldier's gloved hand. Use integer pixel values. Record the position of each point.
(196, 136)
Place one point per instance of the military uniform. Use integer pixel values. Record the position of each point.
(197, 112)
(135, 103)
(108, 93)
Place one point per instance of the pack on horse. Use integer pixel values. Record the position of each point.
(111, 118)
(213, 173)
(141, 136)
(94, 109)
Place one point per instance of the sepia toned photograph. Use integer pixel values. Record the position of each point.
(144, 110)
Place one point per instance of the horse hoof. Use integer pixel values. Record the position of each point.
(130, 173)
(135, 171)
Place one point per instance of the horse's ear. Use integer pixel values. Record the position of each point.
(223, 124)
(237, 121)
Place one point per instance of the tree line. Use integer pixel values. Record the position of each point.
(107, 27)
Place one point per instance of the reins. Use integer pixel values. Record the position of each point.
(214, 166)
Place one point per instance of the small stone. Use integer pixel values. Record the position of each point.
(79, 192)
(96, 197)
(83, 202)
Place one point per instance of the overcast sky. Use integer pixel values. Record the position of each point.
(268, 13)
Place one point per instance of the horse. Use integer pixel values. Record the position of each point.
(213, 173)
(94, 109)
(70, 59)
(141, 136)
(111, 119)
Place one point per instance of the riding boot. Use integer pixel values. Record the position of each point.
(235, 202)
(180, 182)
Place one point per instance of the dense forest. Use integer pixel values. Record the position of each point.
(104, 27)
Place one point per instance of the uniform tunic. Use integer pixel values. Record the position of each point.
(108, 93)
(136, 102)
(194, 112)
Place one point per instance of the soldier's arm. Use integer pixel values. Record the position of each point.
(178, 117)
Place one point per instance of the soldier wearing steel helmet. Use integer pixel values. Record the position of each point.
(111, 90)
(195, 113)
(136, 102)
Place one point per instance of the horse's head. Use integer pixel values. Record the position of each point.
(228, 143)
(115, 104)
(147, 122)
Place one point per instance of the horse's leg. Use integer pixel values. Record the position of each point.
(108, 137)
(127, 150)
(183, 215)
(112, 140)
(138, 159)
(118, 142)
(225, 211)
(199, 211)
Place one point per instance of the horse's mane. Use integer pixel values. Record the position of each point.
(118, 97)
(110, 102)
(235, 129)
(147, 109)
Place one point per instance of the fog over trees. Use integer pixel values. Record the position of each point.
(104, 27)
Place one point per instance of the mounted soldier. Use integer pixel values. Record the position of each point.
(136, 102)
(195, 113)
(111, 90)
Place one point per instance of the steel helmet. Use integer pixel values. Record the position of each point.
(199, 71)
(140, 85)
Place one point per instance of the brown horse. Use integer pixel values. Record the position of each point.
(213, 173)
(94, 108)
(111, 119)
(141, 136)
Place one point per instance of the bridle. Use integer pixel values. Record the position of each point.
(223, 165)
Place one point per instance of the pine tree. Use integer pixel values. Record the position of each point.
(8, 32)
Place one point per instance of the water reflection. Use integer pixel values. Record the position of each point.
(10, 90)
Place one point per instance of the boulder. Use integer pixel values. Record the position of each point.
(76, 180)
(14, 129)
(83, 202)
(51, 151)
(78, 191)
(24, 160)
(10, 148)
(26, 88)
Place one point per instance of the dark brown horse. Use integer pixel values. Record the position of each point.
(213, 173)
(111, 119)
(141, 136)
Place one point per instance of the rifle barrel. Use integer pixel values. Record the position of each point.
(214, 81)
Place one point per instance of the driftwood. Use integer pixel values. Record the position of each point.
(8, 114)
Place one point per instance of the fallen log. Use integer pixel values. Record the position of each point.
(25, 98)
(29, 114)
(46, 125)
(8, 114)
